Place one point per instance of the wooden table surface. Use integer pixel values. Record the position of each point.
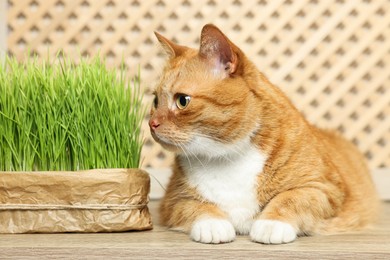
(161, 243)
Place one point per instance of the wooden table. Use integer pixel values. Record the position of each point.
(160, 243)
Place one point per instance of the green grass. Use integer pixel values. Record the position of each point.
(63, 116)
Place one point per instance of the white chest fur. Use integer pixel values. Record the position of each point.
(230, 183)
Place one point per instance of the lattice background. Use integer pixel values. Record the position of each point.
(332, 57)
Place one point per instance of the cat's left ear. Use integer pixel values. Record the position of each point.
(218, 49)
(172, 49)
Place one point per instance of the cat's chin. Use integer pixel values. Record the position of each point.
(169, 147)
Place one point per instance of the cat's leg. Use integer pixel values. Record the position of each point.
(288, 214)
(204, 222)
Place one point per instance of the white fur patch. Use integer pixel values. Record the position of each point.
(212, 231)
(227, 176)
(272, 232)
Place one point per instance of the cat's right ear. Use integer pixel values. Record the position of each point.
(171, 49)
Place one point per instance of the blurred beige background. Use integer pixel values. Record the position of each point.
(332, 57)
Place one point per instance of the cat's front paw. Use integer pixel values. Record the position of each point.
(272, 232)
(212, 231)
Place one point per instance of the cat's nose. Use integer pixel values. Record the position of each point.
(153, 124)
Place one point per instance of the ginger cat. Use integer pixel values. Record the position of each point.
(247, 162)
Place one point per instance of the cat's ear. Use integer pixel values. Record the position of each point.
(218, 49)
(172, 49)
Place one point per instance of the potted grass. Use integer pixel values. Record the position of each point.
(70, 143)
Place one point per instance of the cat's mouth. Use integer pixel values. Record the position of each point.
(164, 142)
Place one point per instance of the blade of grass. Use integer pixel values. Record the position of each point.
(67, 116)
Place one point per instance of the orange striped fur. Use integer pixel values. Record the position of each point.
(312, 181)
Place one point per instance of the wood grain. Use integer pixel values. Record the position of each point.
(160, 243)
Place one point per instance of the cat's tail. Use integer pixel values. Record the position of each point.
(350, 220)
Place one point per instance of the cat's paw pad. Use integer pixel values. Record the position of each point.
(213, 231)
(272, 232)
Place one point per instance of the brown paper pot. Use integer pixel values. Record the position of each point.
(106, 200)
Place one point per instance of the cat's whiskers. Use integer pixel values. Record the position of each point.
(199, 160)
(182, 148)
(193, 155)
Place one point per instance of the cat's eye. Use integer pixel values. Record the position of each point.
(155, 101)
(182, 101)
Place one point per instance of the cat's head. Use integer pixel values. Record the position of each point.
(203, 102)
